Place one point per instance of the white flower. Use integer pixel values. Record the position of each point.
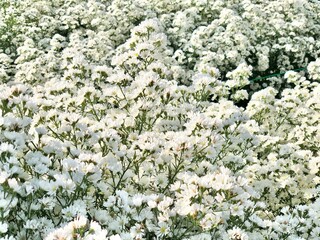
(3, 176)
(32, 224)
(162, 229)
(113, 163)
(3, 227)
(13, 183)
(313, 69)
(79, 222)
(115, 237)
(137, 199)
(210, 221)
(239, 76)
(237, 234)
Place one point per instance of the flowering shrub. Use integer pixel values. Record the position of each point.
(138, 120)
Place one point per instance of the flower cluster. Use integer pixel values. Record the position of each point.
(138, 120)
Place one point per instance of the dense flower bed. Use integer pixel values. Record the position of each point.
(137, 119)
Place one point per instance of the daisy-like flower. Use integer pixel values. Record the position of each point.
(162, 230)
